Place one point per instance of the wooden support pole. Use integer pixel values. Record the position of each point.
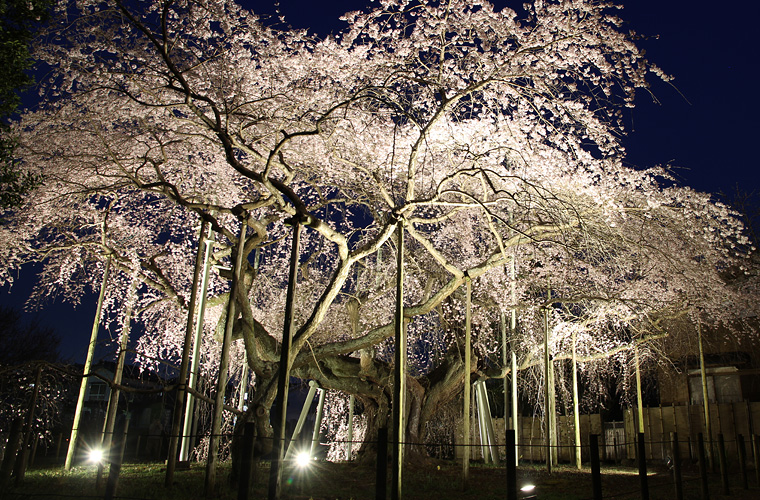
(116, 459)
(113, 397)
(194, 368)
(283, 379)
(179, 402)
(86, 370)
(221, 385)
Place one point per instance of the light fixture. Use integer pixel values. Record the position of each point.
(303, 459)
(95, 455)
(528, 488)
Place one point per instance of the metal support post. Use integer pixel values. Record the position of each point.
(317, 423)
(484, 449)
(302, 417)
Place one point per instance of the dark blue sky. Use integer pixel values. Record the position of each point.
(707, 126)
(712, 131)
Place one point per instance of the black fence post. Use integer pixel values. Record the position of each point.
(511, 466)
(702, 467)
(381, 470)
(246, 466)
(723, 465)
(643, 468)
(756, 454)
(742, 460)
(596, 469)
(677, 480)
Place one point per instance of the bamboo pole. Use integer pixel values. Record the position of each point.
(705, 396)
(515, 420)
(513, 331)
(548, 394)
(576, 408)
(505, 362)
(349, 442)
(179, 402)
(86, 371)
(192, 380)
(113, 399)
(466, 410)
(554, 436)
(639, 398)
(399, 373)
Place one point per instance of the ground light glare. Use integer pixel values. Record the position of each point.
(303, 459)
(95, 455)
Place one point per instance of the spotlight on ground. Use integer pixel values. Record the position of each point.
(95, 455)
(303, 459)
(528, 492)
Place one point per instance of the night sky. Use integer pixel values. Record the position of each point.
(706, 127)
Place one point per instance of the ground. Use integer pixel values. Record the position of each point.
(329, 481)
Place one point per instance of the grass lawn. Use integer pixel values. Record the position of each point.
(345, 481)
